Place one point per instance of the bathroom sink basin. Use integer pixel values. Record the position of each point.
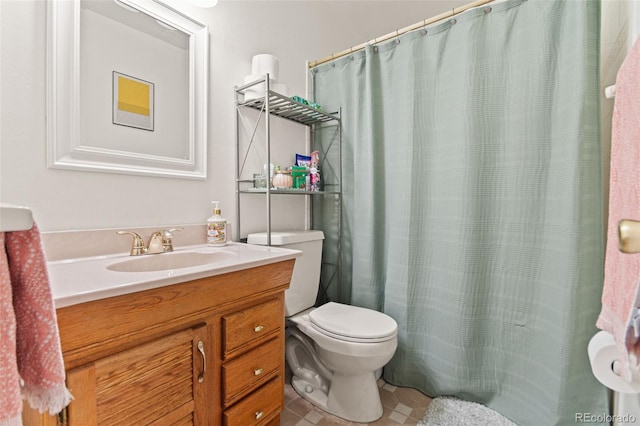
(167, 261)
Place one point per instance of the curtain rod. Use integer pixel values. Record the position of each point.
(424, 23)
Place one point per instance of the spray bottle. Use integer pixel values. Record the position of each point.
(216, 227)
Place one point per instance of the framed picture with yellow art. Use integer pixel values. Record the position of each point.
(132, 102)
(114, 108)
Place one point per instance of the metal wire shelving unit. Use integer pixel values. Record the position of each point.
(274, 104)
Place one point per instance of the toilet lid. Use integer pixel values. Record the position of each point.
(353, 323)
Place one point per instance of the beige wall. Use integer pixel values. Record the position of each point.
(294, 31)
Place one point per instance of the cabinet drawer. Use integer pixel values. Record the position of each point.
(251, 369)
(253, 323)
(257, 408)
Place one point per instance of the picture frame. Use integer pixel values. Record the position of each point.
(80, 136)
(133, 102)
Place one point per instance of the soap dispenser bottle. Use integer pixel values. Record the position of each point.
(216, 228)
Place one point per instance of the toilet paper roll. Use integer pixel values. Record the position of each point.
(603, 352)
(255, 77)
(264, 63)
(256, 91)
(280, 88)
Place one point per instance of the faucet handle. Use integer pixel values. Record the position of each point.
(137, 248)
(156, 243)
(167, 238)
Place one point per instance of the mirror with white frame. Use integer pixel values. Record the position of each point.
(126, 88)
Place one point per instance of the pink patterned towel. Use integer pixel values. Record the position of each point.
(31, 365)
(619, 315)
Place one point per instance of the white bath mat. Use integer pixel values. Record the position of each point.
(449, 411)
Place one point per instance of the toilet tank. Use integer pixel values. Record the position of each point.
(305, 280)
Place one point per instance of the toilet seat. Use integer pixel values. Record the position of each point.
(352, 323)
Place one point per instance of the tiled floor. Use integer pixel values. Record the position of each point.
(404, 406)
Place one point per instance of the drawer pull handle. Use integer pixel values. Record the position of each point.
(259, 415)
(258, 328)
(257, 371)
(204, 361)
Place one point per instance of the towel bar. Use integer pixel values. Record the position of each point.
(610, 92)
(15, 218)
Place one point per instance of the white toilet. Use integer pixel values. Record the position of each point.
(334, 350)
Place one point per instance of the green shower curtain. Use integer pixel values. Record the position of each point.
(472, 203)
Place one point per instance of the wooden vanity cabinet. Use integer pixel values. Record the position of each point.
(159, 383)
(202, 352)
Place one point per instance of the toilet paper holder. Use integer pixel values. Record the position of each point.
(602, 349)
(629, 243)
(606, 367)
(616, 367)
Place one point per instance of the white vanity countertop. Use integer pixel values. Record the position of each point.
(86, 279)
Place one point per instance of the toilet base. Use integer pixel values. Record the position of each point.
(310, 393)
(362, 406)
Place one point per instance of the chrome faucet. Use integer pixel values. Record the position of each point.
(160, 242)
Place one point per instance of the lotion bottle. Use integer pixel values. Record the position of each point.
(216, 228)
